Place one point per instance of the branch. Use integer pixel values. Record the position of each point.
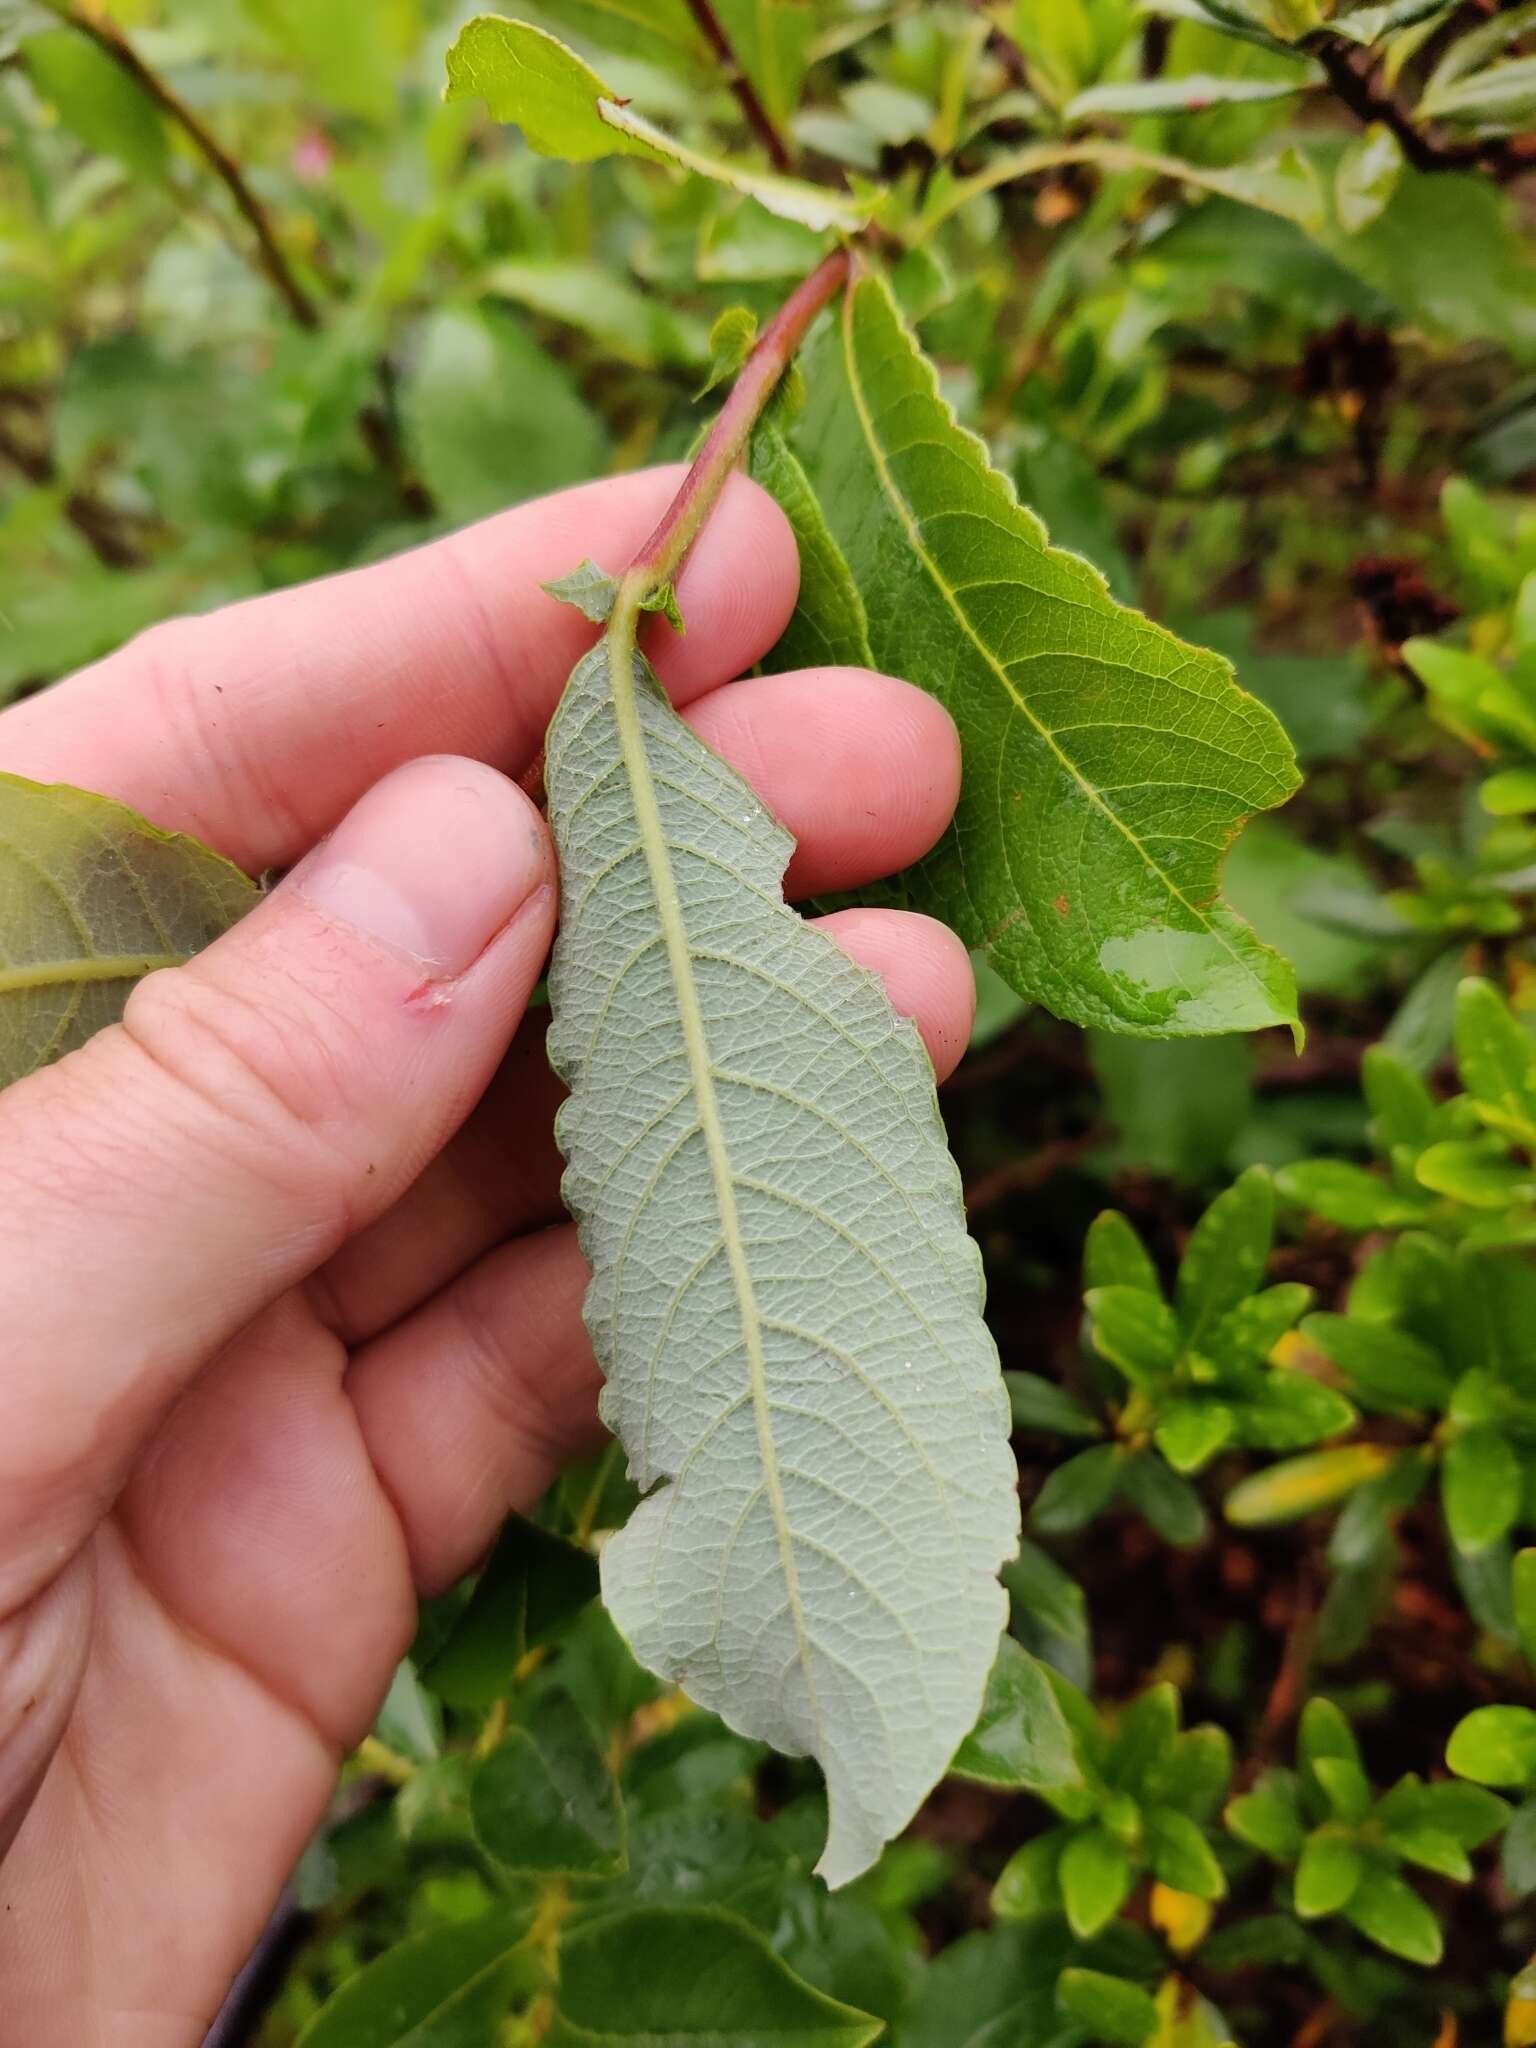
(229, 174)
(758, 118)
(662, 555)
(1358, 91)
(103, 528)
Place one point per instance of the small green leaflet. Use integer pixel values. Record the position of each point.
(784, 1302)
(565, 110)
(92, 898)
(1107, 764)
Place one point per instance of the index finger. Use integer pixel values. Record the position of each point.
(257, 727)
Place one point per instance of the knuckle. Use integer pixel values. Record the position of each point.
(261, 1086)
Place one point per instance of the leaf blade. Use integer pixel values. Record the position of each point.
(687, 997)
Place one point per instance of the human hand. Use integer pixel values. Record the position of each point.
(291, 1319)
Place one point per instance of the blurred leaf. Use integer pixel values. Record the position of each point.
(1366, 177)
(1108, 2007)
(1175, 1108)
(1181, 1856)
(1114, 1256)
(545, 1800)
(1167, 1501)
(97, 99)
(1481, 1488)
(1347, 1195)
(1391, 1913)
(1227, 1252)
(1077, 1491)
(1268, 1817)
(1134, 1330)
(532, 1586)
(1495, 1746)
(1300, 1486)
(1385, 1366)
(491, 417)
(1095, 1880)
(1041, 1404)
(648, 1973)
(450, 1986)
(629, 325)
(1187, 95)
(94, 897)
(1328, 1874)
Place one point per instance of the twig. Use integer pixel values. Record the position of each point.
(758, 118)
(274, 263)
(1357, 90)
(103, 528)
(1034, 1170)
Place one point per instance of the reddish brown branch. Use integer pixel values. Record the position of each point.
(269, 251)
(757, 116)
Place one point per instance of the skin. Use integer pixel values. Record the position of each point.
(291, 1311)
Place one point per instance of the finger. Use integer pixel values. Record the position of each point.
(256, 727)
(502, 1174)
(926, 970)
(862, 770)
(471, 1407)
(162, 1185)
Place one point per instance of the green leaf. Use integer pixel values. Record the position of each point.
(1347, 1195)
(1268, 1818)
(1021, 1740)
(1084, 727)
(1480, 1488)
(94, 897)
(1077, 1491)
(827, 628)
(1523, 1581)
(1250, 1332)
(1325, 1732)
(1111, 2009)
(1284, 1411)
(654, 1974)
(97, 100)
(1386, 1367)
(490, 417)
(1431, 1849)
(1345, 1787)
(1495, 1746)
(1095, 1873)
(445, 1989)
(1144, 1736)
(1195, 1774)
(545, 1800)
(1366, 177)
(772, 40)
(1300, 1486)
(1181, 1856)
(1464, 1814)
(1169, 1503)
(534, 1584)
(1402, 1108)
(1038, 1403)
(1135, 1331)
(1391, 1913)
(1114, 1255)
(830, 1423)
(629, 324)
(1192, 1432)
(565, 110)
(1331, 1867)
(1477, 1171)
(1227, 1252)
(659, 32)
(1517, 1852)
(1497, 1059)
(1188, 95)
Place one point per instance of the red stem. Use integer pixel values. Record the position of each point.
(662, 555)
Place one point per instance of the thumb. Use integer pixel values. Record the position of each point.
(253, 1109)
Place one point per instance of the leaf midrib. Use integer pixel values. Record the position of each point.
(941, 584)
(94, 967)
(669, 911)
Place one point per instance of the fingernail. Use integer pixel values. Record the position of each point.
(433, 862)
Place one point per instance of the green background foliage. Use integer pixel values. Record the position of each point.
(1241, 300)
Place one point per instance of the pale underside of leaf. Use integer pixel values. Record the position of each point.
(813, 206)
(785, 1303)
(92, 898)
(1108, 765)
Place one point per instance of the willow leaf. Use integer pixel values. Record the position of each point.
(784, 1301)
(93, 897)
(1108, 765)
(828, 627)
(564, 109)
